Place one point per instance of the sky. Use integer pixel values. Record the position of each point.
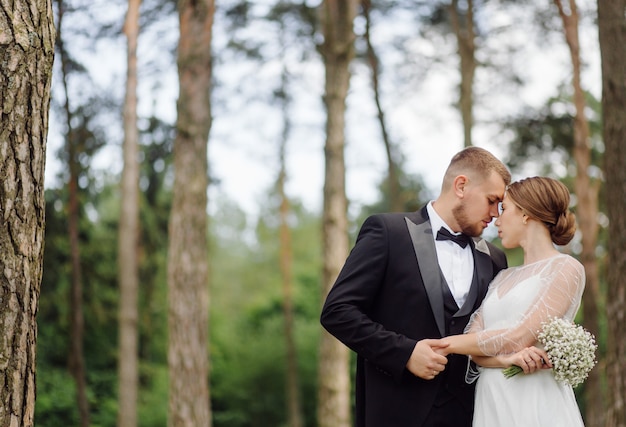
(242, 143)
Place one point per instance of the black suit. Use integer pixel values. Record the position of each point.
(389, 295)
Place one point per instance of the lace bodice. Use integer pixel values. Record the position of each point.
(521, 298)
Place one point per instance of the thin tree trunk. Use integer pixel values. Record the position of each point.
(27, 51)
(396, 203)
(465, 36)
(612, 36)
(77, 327)
(292, 385)
(128, 235)
(337, 52)
(188, 357)
(587, 209)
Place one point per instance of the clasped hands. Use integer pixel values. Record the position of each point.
(428, 359)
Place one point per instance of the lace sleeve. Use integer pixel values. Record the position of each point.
(560, 287)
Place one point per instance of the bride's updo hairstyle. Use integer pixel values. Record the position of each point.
(546, 200)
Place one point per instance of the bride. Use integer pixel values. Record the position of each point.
(504, 330)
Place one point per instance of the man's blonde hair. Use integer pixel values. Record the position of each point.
(476, 162)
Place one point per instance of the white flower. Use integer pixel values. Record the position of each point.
(571, 348)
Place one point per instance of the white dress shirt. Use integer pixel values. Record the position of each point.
(456, 263)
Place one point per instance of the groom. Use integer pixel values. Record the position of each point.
(412, 277)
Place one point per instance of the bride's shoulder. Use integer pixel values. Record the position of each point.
(567, 264)
(566, 260)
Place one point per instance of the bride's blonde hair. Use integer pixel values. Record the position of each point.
(546, 200)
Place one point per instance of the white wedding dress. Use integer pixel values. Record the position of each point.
(519, 299)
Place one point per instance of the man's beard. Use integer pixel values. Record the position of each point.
(467, 228)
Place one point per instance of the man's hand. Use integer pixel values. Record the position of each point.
(425, 362)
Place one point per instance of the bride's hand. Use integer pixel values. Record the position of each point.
(439, 346)
(531, 359)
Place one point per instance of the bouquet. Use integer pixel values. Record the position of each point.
(571, 348)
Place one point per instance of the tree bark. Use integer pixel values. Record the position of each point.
(294, 413)
(396, 204)
(188, 359)
(612, 36)
(292, 381)
(76, 358)
(128, 235)
(587, 192)
(26, 54)
(465, 36)
(337, 51)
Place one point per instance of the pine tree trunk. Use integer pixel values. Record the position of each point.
(292, 383)
(77, 322)
(188, 359)
(292, 380)
(465, 36)
(396, 204)
(26, 54)
(587, 210)
(76, 358)
(337, 51)
(128, 235)
(612, 36)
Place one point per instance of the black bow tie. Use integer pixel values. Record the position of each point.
(460, 239)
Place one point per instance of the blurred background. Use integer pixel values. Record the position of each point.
(427, 78)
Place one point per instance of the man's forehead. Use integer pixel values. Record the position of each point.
(494, 184)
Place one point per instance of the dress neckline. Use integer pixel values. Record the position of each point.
(544, 260)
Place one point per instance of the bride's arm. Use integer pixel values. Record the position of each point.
(561, 292)
(462, 344)
(492, 361)
(469, 343)
(529, 359)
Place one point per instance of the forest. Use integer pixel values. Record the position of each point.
(182, 182)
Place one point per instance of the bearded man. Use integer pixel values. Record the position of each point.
(412, 277)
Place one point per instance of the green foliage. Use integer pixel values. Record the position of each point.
(413, 193)
(56, 398)
(152, 411)
(247, 349)
(248, 373)
(100, 301)
(545, 136)
(247, 328)
(248, 356)
(98, 247)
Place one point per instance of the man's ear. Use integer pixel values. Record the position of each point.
(459, 184)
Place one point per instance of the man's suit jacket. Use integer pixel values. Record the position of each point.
(387, 297)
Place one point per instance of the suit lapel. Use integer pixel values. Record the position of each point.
(421, 236)
(482, 275)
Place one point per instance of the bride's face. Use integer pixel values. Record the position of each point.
(510, 223)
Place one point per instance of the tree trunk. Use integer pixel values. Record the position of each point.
(337, 51)
(294, 412)
(128, 235)
(396, 204)
(77, 327)
(587, 210)
(612, 36)
(26, 54)
(292, 382)
(465, 37)
(188, 359)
